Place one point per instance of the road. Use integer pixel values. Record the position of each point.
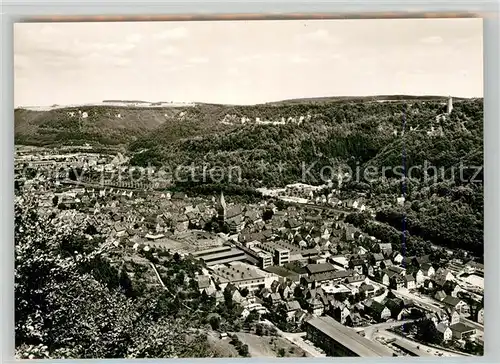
(320, 207)
(417, 346)
(118, 186)
(373, 329)
(423, 302)
(158, 275)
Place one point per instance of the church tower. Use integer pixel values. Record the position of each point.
(221, 210)
(450, 105)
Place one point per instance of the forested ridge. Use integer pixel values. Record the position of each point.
(71, 302)
(346, 134)
(443, 205)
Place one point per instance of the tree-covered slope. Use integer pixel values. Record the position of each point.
(97, 125)
(442, 156)
(309, 141)
(354, 134)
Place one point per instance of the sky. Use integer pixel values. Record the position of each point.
(245, 62)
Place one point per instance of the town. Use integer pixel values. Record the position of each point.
(288, 263)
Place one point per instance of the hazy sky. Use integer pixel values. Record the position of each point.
(245, 62)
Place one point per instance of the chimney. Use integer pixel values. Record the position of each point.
(450, 105)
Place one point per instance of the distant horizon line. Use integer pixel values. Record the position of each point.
(298, 99)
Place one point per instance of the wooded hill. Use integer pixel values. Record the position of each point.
(271, 143)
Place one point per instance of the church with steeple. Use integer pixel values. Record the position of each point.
(449, 107)
(221, 210)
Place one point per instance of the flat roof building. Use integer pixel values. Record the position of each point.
(222, 257)
(280, 253)
(338, 340)
(240, 275)
(210, 251)
(265, 258)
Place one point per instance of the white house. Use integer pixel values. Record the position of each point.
(419, 278)
(410, 282)
(444, 274)
(454, 318)
(428, 270)
(344, 313)
(480, 316)
(444, 330)
(397, 258)
(361, 250)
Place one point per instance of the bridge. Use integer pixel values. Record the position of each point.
(126, 186)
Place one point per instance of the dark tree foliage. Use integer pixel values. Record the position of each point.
(70, 302)
(427, 332)
(267, 215)
(444, 202)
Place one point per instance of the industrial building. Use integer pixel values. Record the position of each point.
(220, 255)
(265, 258)
(339, 340)
(280, 254)
(239, 274)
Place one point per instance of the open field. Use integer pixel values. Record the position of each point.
(268, 346)
(183, 246)
(222, 346)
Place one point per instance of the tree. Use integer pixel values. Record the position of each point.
(281, 352)
(267, 215)
(280, 205)
(55, 201)
(244, 292)
(259, 329)
(63, 311)
(177, 257)
(228, 298)
(252, 317)
(90, 230)
(273, 331)
(243, 351)
(473, 348)
(427, 332)
(215, 322)
(126, 283)
(235, 340)
(449, 287)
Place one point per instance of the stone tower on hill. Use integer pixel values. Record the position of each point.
(450, 105)
(221, 209)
